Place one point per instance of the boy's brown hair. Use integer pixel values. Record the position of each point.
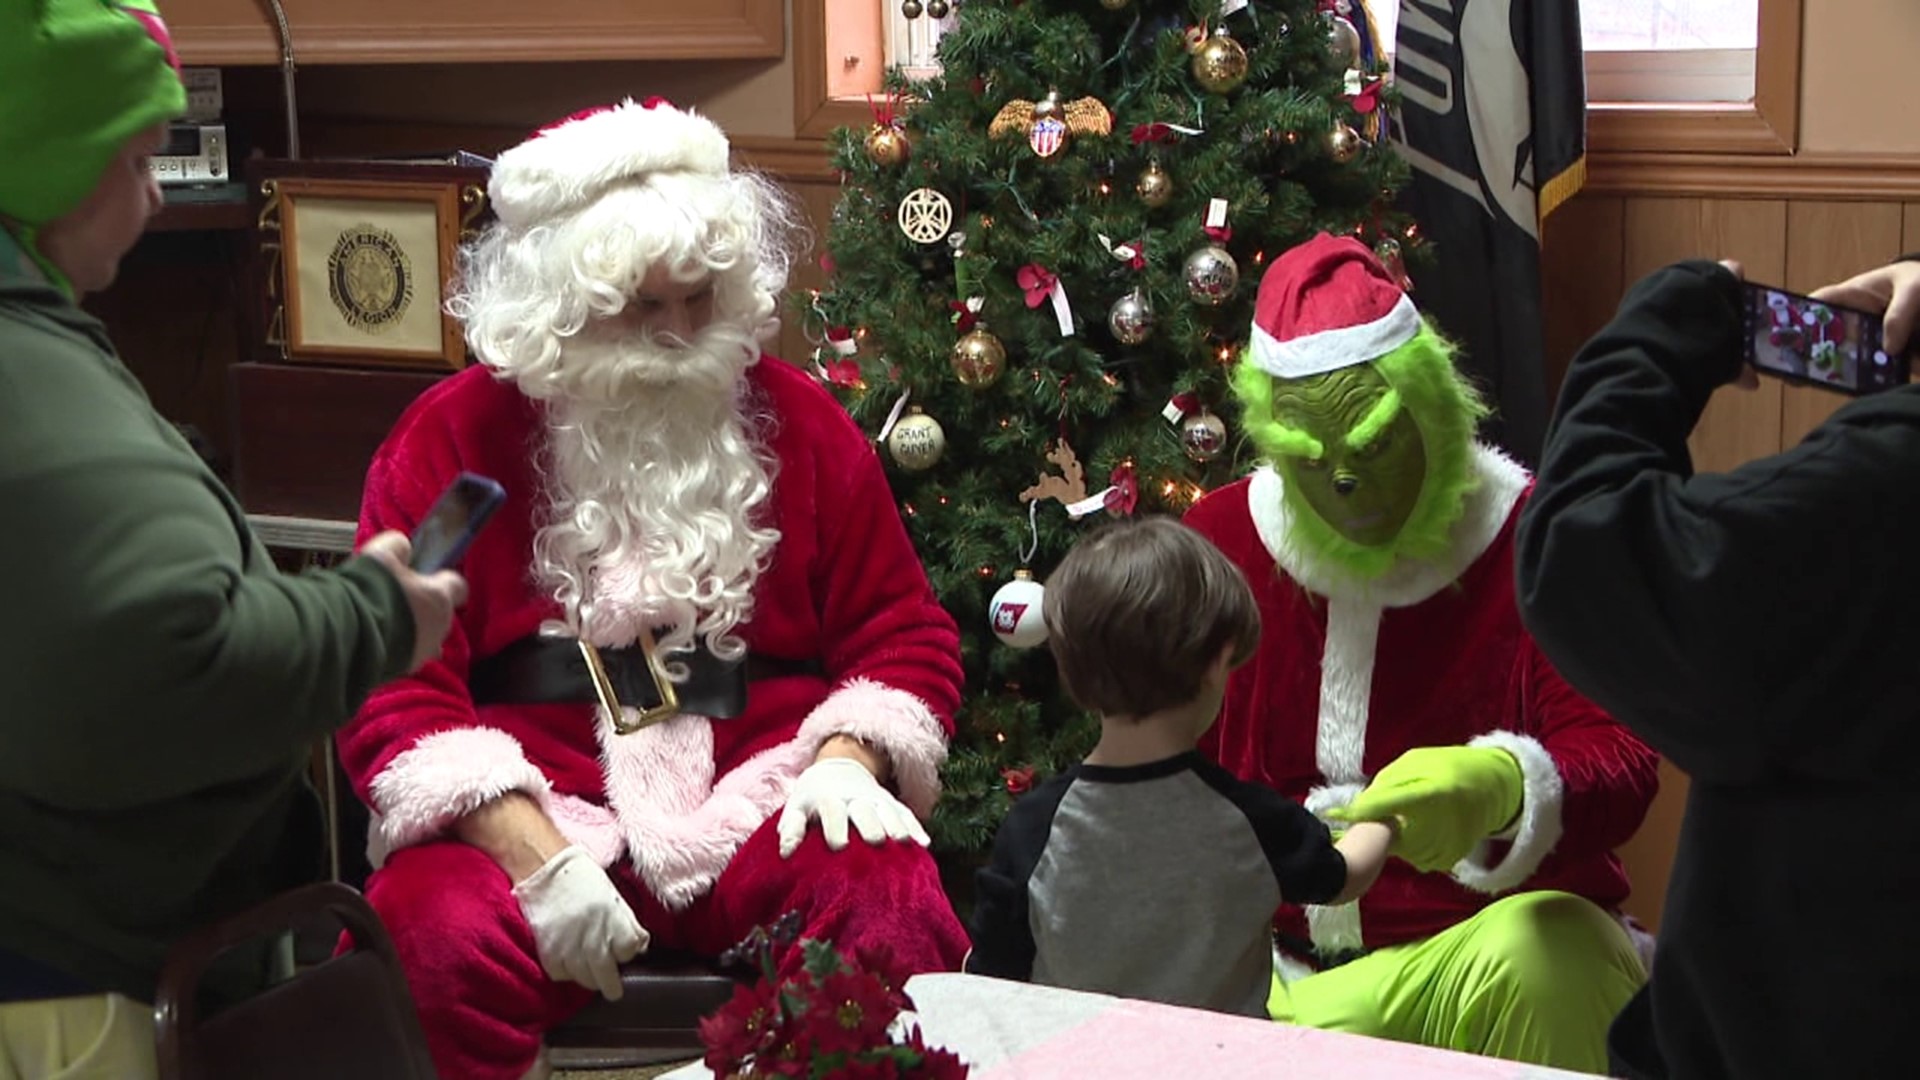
(1138, 609)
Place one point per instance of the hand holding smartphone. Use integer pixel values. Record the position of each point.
(456, 518)
(1819, 343)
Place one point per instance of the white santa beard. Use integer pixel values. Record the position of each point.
(653, 482)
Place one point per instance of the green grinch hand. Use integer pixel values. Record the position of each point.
(1446, 798)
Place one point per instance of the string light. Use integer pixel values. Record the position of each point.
(986, 572)
(1005, 423)
(861, 333)
(943, 500)
(910, 511)
(999, 736)
(1259, 257)
(1226, 354)
(1107, 377)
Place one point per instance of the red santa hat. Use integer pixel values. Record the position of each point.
(572, 161)
(1328, 304)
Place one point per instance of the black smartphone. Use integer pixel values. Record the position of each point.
(1820, 343)
(456, 518)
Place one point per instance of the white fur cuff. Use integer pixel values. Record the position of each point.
(1535, 833)
(445, 777)
(892, 721)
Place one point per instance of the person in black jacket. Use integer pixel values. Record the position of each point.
(1757, 627)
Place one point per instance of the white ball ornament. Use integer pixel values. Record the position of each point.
(1015, 612)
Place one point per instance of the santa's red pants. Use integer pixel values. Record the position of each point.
(477, 981)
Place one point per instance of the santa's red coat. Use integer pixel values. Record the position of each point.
(1350, 675)
(844, 587)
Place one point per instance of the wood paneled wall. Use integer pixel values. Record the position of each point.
(1599, 244)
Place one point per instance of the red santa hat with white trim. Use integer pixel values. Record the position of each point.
(1328, 304)
(574, 160)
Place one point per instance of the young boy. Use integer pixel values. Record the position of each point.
(1148, 871)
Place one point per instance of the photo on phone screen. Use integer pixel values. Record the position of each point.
(443, 535)
(1797, 337)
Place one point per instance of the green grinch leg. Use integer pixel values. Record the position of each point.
(1495, 984)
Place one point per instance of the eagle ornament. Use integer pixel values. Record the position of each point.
(1049, 125)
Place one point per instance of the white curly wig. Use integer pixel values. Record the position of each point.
(656, 472)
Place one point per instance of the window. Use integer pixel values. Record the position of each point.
(911, 43)
(1655, 50)
(1637, 50)
(1667, 76)
(1670, 50)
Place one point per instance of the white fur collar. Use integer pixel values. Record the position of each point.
(1501, 480)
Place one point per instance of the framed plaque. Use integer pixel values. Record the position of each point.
(357, 268)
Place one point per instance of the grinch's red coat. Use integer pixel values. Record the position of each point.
(669, 809)
(1349, 676)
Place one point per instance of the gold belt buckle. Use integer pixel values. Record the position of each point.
(603, 687)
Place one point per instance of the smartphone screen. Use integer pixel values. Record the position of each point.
(1797, 337)
(443, 535)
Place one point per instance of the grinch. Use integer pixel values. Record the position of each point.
(1395, 681)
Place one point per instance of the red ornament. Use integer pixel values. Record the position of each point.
(1123, 493)
(1019, 781)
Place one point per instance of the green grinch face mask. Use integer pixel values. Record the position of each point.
(1366, 479)
(1375, 458)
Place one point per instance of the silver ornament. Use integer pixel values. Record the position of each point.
(1343, 41)
(1131, 318)
(1203, 435)
(910, 8)
(938, 8)
(1212, 275)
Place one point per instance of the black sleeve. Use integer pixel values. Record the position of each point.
(1002, 936)
(1308, 868)
(1721, 616)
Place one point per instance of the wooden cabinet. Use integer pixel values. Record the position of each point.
(236, 32)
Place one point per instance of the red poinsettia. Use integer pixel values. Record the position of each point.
(750, 1024)
(832, 1019)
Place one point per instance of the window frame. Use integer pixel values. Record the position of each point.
(1768, 124)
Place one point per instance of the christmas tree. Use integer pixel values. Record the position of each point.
(1041, 270)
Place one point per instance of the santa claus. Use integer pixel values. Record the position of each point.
(1395, 680)
(696, 625)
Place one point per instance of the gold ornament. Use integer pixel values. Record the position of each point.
(938, 9)
(910, 8)
(925, 215)
(1212, 275)
(1203, 435)
(917, 441)
(1049, 125)
(1219, 63)
(1154, 186)
(1131, 318)
(978, 359)
(1343, 41)
(1344, 143)
(887, 146)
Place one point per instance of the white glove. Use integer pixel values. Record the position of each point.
(836, 789)
(582, 927)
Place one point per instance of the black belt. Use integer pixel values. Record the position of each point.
(540, 670)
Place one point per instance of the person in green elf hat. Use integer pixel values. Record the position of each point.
(161, 683)
(1395, 682)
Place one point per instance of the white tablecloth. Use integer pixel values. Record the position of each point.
(1013, 1031)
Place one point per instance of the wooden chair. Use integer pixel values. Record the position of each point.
(349, 1016)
